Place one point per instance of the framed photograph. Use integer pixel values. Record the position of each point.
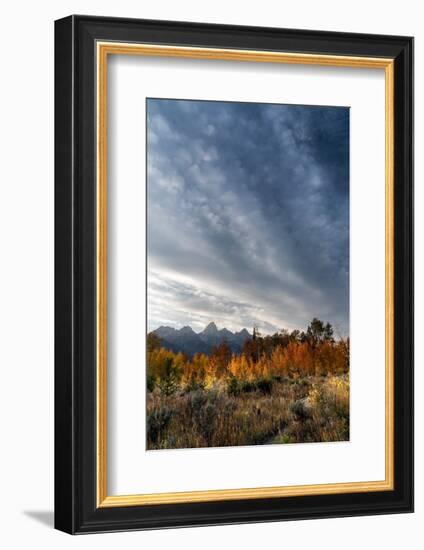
(234, 274)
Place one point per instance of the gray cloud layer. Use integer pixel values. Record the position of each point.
(248, 214)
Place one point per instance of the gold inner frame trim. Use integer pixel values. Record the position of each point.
(103, 50)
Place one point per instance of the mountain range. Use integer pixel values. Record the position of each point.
(190, 342)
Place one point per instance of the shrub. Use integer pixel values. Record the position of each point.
(151, 382)
(246, 386)
(206, 421)
(236, 411)
(233, 387)
(300, 409)
(194, 385)
(264, 385)
(157, 422)
(204, 407)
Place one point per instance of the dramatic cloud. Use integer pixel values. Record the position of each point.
(248, 215)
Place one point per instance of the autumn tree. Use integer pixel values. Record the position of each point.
(318, 332)
(252, 349)
(169, 378)
(196, 372)
(164, 369)
(221, 356)
(153, 342)
(284, 354)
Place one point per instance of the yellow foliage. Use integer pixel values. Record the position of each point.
(295, 359)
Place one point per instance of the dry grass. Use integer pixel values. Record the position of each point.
(232, 413)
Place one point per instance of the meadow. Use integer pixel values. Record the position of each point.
(280, 389)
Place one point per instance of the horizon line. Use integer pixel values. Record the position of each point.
(255, 328)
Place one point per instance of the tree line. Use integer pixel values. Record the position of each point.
(263, 359)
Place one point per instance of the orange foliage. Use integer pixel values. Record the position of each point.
(292, 359)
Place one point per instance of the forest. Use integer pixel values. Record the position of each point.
(290, 387)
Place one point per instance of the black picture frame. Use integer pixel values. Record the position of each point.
(76, 510)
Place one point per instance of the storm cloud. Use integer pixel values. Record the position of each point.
(248, 215)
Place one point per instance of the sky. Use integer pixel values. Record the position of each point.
(247, 215)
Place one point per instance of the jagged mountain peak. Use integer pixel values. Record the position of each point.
(186, 330)
(188, 341)
(210, 329)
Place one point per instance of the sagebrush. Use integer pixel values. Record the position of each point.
(286, 388)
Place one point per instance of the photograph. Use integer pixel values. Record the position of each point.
(233, 231)
(247, 273)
